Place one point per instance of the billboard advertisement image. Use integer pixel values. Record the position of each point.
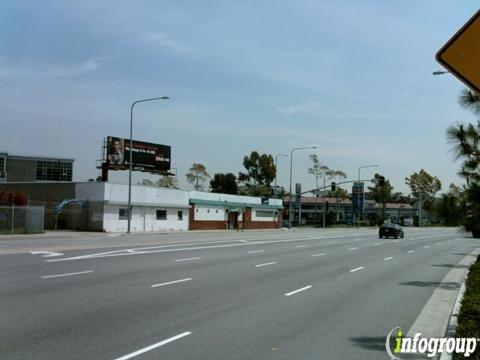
(146, 156)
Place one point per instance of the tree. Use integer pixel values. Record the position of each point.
(424, 186)
(400, 198)
(13, 198)
(465, 142)
(260, 173)
(260, 169)
(318, 170)
(224, 183)
(449, 208)
(197, 175)
(381, 193)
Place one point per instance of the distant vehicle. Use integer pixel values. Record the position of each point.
(390, 230)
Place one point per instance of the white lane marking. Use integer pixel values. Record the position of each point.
(426, 246)
(298, 290)
(301, 246)
(171, 282)
(188, 259)
(332, 242)
(46, 253)
(114, 235)
(138, 252)
(377, 244)
(357, 269)
(68, 274)
(410, 251)
(438, 243)
(256, 251)
(154, 346)
(388, 258)
(321, 254)
(354, 248)
(266, 264)
(394, 241)
(357, 239)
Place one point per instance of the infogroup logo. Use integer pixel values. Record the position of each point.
(397, 344)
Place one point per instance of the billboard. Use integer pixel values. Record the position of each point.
(149, 157)
(357, 196)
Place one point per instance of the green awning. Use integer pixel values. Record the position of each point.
(235, 205)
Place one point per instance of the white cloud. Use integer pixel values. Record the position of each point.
(305, 108)
(10, 68)
(174, 46)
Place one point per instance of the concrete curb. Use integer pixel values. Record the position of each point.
(434, 318)
(453, 322)
(439, 316)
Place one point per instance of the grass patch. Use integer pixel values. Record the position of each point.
(469, 317)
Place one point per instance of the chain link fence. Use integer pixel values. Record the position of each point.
(21, 219)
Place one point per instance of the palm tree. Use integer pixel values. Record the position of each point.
(465, 140)
(197, 175)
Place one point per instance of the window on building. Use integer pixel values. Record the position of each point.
(161, 214)
(265, 213)
(123, 214)
(54, 170)
(2, 167)
(180, 215)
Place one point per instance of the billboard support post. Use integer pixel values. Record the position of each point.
(131, 158)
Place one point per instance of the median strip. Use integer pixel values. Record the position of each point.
(154, 346)
(68, 274)
(171, 282)
(299, 290)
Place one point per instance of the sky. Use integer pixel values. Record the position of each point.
(353, 78)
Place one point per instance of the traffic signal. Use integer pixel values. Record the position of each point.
(334, 187)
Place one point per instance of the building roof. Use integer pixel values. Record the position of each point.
(319, 200)
(34, 157)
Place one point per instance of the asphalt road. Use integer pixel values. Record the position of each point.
(309, 294)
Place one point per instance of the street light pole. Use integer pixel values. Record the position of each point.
(363, 193)
(290, 191)
(276, 171)
(131, 157)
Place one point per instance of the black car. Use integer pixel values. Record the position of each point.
(392, 230)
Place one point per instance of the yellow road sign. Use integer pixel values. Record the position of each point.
(461, 54)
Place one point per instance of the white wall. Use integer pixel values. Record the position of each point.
(145, 195)
(261, 218)
(93, 191)
(209, 213)
(144, 219)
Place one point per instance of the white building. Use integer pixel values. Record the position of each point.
(155, 209)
